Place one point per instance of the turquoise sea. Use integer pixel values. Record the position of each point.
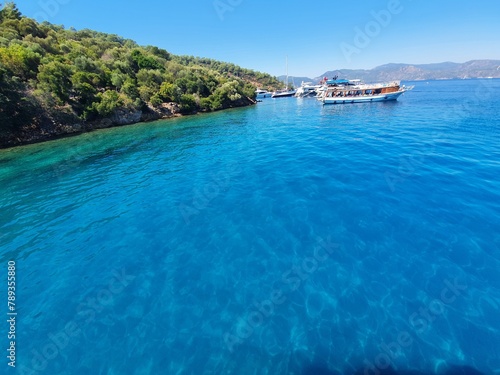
(284, 238)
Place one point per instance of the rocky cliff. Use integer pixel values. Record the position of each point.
(58, 123)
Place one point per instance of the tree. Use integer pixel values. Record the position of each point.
(9, 99)
(21, 61)
(85, 64)
(16, 108)
(27, 26)
(107, 102)
(55, 78)
(10, 12)
(129, 88)
(156, 100)
(144, 62)
(118, 79)
(84, 89)
(159, 52)
(225, 95)
(169, 92)
(188, 104)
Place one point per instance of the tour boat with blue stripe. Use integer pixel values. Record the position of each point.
(342, 91)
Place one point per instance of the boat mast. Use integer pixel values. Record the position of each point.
(286, 87)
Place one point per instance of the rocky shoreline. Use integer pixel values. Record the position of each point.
(58, 125)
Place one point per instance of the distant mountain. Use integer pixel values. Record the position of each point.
(415, 72)
(296, 81)
(432, 67)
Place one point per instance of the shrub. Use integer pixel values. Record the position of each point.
(156, 100)
(188, 104)
(108, 101)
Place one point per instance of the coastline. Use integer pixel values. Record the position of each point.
(47, 128)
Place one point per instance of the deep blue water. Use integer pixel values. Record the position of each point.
(285, 238)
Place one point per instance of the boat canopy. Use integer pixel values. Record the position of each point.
(337, 82)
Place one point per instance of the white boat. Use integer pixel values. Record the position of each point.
(344, 91)
(307, 89)
(262, 94)
(320, 91)
(283, 93)
(286, 92)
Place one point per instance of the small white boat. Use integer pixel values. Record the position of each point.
(344, 91)
(262, 94)
(307, 89)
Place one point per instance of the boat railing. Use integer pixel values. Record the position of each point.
(379, 85)
(365, 86)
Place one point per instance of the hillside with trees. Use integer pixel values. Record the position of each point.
(55, 81)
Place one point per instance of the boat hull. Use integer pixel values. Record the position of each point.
(283, 94)
(264, 95)
(363, 99)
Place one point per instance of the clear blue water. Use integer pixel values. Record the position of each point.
(285, 238)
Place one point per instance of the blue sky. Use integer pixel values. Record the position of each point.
(316, 35)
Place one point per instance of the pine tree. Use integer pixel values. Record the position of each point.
(10, 12)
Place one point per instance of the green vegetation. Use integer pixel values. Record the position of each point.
(46, 70)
